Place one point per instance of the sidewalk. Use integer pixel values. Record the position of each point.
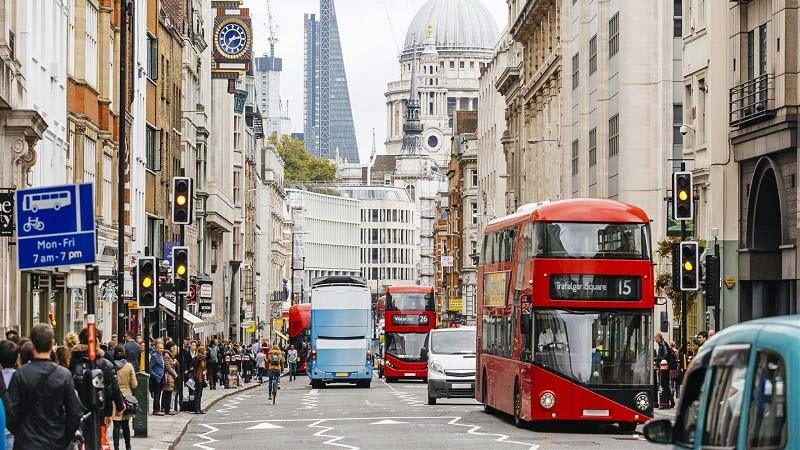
(163, 432)
(665, 413)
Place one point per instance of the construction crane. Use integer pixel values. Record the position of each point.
(273, 30)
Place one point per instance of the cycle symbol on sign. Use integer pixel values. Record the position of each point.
(33, 223)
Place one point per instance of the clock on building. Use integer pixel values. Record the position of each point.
(433, 142)
(233, 38)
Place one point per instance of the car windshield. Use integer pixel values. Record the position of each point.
(412, 301)
(405, 346)
(595, 348)
(453, 342)
(591, 240)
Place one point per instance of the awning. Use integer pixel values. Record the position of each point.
(169, 307)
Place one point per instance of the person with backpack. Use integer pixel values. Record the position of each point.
(662, 361)
(43, 409)
(213, 363)
(275, 364)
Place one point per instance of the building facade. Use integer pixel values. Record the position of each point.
(388, 235)
(327, 236)
(267, 72)
(763, 101)
(329, 129)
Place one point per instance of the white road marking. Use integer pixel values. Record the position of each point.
(208, 439)
(473, 429)
(387, 422)
(265, 426)
(333, 438)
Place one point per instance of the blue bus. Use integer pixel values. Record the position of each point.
(341, 332)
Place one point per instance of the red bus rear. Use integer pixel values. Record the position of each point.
(410, 314)
(565, 314)
(300, 331)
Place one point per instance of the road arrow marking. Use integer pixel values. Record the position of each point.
(387, 422)
(265, 426)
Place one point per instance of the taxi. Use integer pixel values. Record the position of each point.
(741, 391)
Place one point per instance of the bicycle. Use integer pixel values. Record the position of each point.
(275, 376)
(78, 442)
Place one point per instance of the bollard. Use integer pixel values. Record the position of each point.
(142, 394)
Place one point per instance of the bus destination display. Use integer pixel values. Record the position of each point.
(595, 287)
(413, 320)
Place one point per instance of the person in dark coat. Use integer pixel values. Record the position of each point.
(157, 370)
(43, 408)
(133, 350)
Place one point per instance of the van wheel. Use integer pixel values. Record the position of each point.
(431, 400)
(317, 384)
(628, 427)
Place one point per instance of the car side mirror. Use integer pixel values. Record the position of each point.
(423, 353)
(658, 431)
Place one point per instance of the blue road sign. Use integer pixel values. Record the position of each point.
(55, 226)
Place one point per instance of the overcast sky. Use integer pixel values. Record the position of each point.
(370, 30)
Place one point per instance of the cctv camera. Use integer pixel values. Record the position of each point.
(684, 130)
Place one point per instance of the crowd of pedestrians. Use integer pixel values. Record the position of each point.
(669, 365)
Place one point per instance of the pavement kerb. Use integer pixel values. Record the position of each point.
(170, 441)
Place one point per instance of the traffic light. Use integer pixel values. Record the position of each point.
(712, 281)
(182, 195)
(690, 270)
(180, 269)
(146, 282)
(682, 196)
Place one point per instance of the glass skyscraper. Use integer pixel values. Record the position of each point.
(327, 115)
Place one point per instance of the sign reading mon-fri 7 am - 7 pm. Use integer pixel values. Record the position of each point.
(55, 226)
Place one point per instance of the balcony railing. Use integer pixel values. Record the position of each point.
(752, 100)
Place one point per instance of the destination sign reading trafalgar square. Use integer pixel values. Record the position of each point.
(595, 287)
(413, 320)
(55, 226)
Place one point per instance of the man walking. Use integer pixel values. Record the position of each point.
(44, 410)
(213, 364)
(663, 358)
(292, 360)
(132, 350)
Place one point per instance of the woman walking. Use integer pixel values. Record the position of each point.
(200, 378)
(127, 383)
(169, 378)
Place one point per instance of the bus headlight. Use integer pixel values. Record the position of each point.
(436, 366)
(547, 400)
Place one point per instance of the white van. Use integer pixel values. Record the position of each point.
(451, 363)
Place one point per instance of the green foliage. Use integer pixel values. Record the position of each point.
(300, 165)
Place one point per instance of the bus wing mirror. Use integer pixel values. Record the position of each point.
(664, 322)
(423, 353)
(526, 323)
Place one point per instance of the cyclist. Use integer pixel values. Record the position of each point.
(275, 364)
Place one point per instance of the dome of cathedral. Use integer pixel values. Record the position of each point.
(456, 25)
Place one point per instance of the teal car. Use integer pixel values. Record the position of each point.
(741, 391)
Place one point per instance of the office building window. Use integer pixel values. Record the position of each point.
(613, 35)
(474, 213)
(593, 55)
(91, 57)
(107, 171)
(575, 70)
(575, 145)
(613, 136)
(474, 178)
(593, 147)
(152, 57)
(89, 159)
(153, 148)
(677, 121)
(677, 18)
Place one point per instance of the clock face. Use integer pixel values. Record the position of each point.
(433, 142)
(232, 39)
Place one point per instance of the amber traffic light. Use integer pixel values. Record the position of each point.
(180, 268)
(146, 282)
(690, 269)
(182, 192)
(682, 196)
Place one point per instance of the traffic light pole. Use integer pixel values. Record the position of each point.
(179, 313)
(684, 322)
(93, 437)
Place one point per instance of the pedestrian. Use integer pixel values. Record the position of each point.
(63, 356)
(261, 366)
(664, 358)
(132, 350)
(674, 374)
(292, 360)
(13, 336)
(701, 339)
(26, 351)
(275, 364)
(157, 372)
(213, 363)
(44, 409)
(170, 350)
(127, 383)
(9, 355)
(199, 374)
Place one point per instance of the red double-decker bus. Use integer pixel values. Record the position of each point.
(565, 308)
(410, 314)
(300, 332)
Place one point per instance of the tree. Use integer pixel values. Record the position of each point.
(299, 164)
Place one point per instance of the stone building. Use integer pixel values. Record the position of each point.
(763, 96)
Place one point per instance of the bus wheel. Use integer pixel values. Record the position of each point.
(628, 427)
(518, 408)
(317, 384)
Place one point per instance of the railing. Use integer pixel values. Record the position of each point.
(752, 100)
